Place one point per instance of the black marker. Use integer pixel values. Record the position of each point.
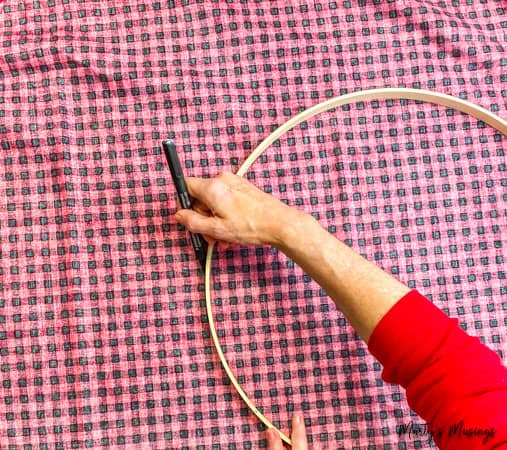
(199, 243)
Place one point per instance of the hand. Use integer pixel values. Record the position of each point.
(228, 208)
(298, 436)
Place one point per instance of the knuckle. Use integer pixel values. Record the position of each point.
(213, 188)
(226, 176)
(190, 224)
(217, 186)
(215, 230)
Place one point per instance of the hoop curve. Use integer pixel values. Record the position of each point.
(373, 94)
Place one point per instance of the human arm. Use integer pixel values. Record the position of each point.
(231, 209)
(448, 375)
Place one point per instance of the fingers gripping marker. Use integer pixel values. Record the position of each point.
(374, 94)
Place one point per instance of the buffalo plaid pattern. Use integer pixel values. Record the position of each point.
(104, 339)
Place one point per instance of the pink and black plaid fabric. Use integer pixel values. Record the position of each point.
(104, 340)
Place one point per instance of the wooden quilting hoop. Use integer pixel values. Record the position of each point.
(374, 94)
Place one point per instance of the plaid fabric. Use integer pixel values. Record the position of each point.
(104, 340)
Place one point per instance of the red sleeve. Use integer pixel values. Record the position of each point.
(454, 382)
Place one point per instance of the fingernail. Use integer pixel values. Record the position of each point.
(177, 216)
(297, 419)
(270, 436)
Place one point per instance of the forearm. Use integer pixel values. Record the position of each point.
(361, 291)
